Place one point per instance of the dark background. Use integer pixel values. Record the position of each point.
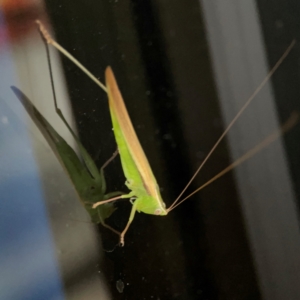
(159, 53)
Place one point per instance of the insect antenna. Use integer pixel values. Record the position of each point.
(288, 125)
(258, 89)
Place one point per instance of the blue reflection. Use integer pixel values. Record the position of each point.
(28, 266)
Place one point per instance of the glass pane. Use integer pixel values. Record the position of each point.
(184, 68)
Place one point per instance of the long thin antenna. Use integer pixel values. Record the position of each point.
(290, 123)
(258, 89)
(49, 40)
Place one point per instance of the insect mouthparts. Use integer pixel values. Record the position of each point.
(157, 211)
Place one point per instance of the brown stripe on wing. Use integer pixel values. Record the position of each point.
(118, 106)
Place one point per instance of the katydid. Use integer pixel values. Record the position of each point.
(145, 195)
(88, 181)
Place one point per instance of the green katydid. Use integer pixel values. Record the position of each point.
(145, 195)
(88, 181)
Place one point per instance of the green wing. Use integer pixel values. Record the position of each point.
(87, 180)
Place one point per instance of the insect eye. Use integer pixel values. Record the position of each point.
(157, 211)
